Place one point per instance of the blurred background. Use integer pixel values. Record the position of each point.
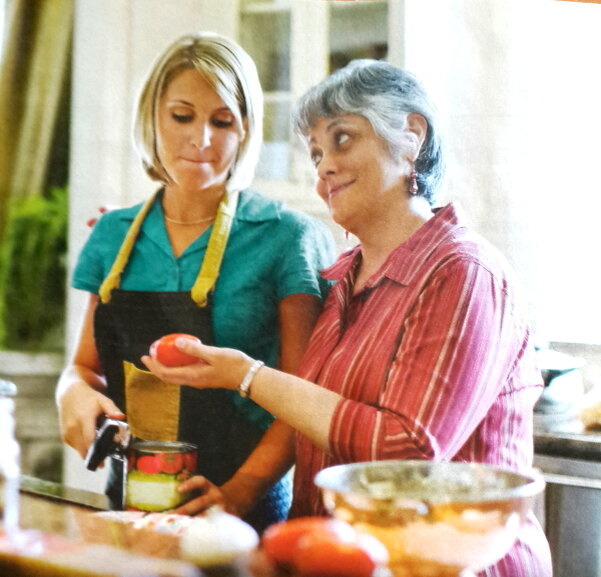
(517, 86)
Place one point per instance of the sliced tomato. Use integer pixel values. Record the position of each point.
(167, 353)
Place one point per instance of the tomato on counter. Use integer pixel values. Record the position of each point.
(167, 353)
(323, 547)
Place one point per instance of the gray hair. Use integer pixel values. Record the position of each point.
(385, 95)
(231, 72)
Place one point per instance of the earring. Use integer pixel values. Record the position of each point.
(413, 188)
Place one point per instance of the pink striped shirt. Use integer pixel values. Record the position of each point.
(433, 360)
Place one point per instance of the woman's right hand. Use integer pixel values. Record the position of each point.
(79, 407)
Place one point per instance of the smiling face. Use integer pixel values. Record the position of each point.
(197, 136)
(357, 176)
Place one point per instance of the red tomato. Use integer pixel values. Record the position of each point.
(280, 541)
(171, 463)
(149, 464)
(190, 462)
(323, 554)
(167, 353)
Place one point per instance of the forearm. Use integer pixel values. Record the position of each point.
(302, 405)
(270, 460)
(75, 375)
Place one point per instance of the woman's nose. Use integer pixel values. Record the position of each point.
(326, 166)
(201, 137)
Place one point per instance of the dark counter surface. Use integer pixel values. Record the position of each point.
(564, 435)
(60, 493)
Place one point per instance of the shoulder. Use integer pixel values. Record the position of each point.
(256, 207)
(117, 215)
(446, 244)
(109, 231)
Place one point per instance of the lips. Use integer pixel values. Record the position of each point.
(197, 160)
(335, 189)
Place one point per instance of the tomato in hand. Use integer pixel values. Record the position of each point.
(167, 353)
(323, 554)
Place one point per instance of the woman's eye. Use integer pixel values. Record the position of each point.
(342, 137)
(315, 158)
(182, 118)
(223, 122)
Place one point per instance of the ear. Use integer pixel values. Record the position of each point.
(415, 133)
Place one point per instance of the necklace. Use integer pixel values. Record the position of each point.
(189, 223)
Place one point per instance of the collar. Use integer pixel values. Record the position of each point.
(252, 207)
(405, 261)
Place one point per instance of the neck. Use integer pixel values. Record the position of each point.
(190, 209)
(380, 237)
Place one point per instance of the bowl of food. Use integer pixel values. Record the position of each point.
(435, 519)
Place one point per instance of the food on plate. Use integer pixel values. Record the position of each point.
(591, 416)
(166, 352)
(51, 555)
(217, 538)
(324, 547)
(212, 538)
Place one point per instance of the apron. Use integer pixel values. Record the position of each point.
(126, 323)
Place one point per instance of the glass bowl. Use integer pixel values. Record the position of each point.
(436, 519)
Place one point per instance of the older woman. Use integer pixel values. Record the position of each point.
(423, 349)
(205, 255)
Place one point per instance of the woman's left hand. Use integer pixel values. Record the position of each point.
(206, 495)
(236, 499)
(216, 367)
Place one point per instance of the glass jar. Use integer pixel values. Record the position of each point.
(9, 461)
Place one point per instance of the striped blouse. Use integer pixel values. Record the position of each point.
(434, 361)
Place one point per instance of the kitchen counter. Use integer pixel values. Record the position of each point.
(54, 516)
(563, 435)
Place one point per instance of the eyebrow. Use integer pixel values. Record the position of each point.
(335, 122)
(181, 101)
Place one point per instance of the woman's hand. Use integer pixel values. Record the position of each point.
(79, 407)
(206, 495)
(216, 367)
(102, 210)
(237, 496)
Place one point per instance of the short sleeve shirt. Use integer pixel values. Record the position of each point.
(272, 252)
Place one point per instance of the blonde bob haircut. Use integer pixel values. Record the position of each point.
(232, 74)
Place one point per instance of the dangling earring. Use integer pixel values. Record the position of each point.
(413, 188)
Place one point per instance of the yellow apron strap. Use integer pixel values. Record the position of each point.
(209, 271)
(113, 280)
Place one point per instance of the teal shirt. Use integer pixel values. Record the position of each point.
(272, 252)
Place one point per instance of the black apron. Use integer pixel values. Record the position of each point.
(126, 323)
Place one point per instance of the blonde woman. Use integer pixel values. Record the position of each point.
(208, 256)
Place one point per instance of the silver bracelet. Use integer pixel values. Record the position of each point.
(244, 386)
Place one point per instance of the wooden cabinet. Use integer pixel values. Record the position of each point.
(295, 43)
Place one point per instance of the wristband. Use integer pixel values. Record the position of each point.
(244, 386)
